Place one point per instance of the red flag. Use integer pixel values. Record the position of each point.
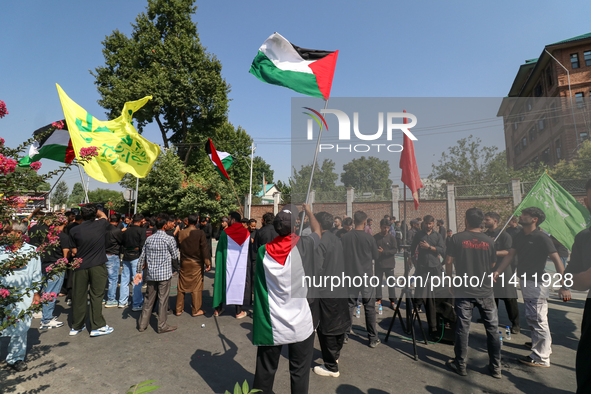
(408, 165)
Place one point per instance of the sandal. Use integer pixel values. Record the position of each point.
(199, 313)
(218, 312)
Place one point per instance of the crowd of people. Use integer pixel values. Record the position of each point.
(251, 266)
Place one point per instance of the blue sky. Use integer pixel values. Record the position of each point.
(387, 49)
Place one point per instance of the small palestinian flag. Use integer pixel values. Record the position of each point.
(231, 258)
(221, 160)
(281, 314)
(54, 146)
(307, 71)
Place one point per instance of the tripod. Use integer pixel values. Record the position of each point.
(412, 310)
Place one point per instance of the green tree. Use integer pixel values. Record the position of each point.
(324, 178)
(77, 195)
(259, 168)
(578, 168)
(285, 189)
(164, 58)
(60, 194)
(367, 174)
(103, 195)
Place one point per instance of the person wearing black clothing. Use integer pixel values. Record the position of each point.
(426, 247)
(474, 255)
(208, 230)
(88, 243)
(580, 267)
(442, 229)
(533, 247)
(360, 249)
(386, 261)
(223, 225)
(503, 291)
(333, 306)
(347, 226)
(513, 228)
(415, 227)
(133, 243)
(114, 240)
(561, 250)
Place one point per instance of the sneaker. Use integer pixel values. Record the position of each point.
(111, 304)
(451, 364)
(515, 330)
(104, 302)
(374, 343)
(74, 332)
(53, 323)
(101, 331)
(137, 308)
(122, 306)
(494, 373)
(322, 371)
(68, 302)
(19, 366)
(346, 340)
(37, 315)
(527, 360)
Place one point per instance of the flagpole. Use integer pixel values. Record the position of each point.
(313, 169)
(137, 186)
(236, 194)
(503, 229)
(250, 190)
(83, 183)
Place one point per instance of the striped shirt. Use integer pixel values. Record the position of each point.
(158, 253)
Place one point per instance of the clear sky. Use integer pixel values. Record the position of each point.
(387, 49)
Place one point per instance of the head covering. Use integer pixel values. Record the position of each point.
(285, 220)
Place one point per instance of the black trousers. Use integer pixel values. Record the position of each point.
(300, 360)
(89, 283)
(387, 272)
(331, 346)
(512, 309)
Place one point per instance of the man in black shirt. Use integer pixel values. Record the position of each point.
(88, 243)
(426, 247)
(208, 230)
(580, 267)
(441, 228)
(114, 240)
(473, 255)
(503, 291)
(133, 243)
(333, 304)
(410, 234)
(533, 247)
(360, 249)
(386, 261)
(347, 226)
(513, 228)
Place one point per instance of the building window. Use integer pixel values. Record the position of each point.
(524, 143)
(579, 99)
(574, 60)
(558, 150)
(587, 56)
(584, 136)
(546, 155)
(515, 125)
(538, 91)
(553, 114)
(549, 79)
(517, 150)
(532, 134)
(542, 124)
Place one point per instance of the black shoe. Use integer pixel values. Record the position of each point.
(346, 340)
(494, 373)
(19, 366)
(451, 364)
(515, 330)
(374, 343)
(527, 360)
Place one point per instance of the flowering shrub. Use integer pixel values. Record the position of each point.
(3, 110)
(89, 152)
(36, 166)
(58, 125)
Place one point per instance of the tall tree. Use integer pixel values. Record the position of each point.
(77, 195)
(367, 174)
(103, 195)
(259, 168)
(164, 58)
(324, 178)
(60, 194)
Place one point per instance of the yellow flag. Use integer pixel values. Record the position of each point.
(121, 148)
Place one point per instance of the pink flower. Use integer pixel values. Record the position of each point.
(4, 293)
(2, 141)
(36, 166)
(3, 110)
(89, 152)
(7, 165)
(58, 125)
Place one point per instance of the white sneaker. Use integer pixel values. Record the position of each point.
(101, 331)
(76, 332)
(322, 371)
(37, 315)
(53, 323)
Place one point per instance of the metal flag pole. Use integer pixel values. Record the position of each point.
(137, 188)
(250, 190)
(313, 169)
(83, 183)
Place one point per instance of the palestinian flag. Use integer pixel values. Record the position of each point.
(55, 145)
(307, 71)
(231, 259)
(281, 314)
(221, 160)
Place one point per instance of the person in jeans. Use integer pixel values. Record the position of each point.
(533, 247)
(133, 242)
(88, 244)
(114, 239)
(473, 254)
(157, 257)
(360, 249)
(54, 283)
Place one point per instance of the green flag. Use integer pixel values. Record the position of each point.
(565, 216)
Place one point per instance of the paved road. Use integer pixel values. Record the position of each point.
(212, 359)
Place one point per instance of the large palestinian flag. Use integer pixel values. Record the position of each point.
(281, 314)
(307, 71)
(231, 258)
(221, 160)
(55, 145)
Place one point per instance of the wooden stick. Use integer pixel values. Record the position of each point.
(236, 194)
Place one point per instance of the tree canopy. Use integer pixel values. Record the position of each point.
(325, 178)
(367, 174)
(77, 196)
(60, 194)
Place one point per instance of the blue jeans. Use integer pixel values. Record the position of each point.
(17, 347)
(127, 275)
(488, 312)
(113, 264)
(53, 285)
